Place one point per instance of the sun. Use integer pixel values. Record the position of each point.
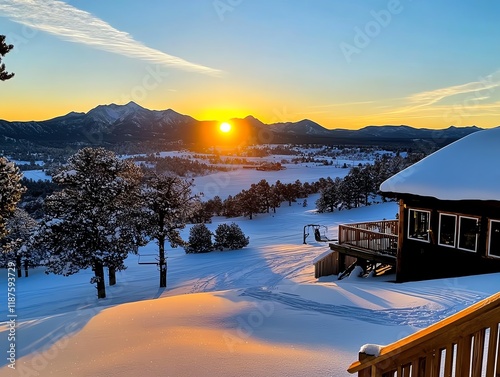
(225, 127)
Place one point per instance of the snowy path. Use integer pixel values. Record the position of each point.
(420, 316)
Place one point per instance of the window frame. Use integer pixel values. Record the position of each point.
(455, 238)
(428, 240)
(490, 221)
(459, 233)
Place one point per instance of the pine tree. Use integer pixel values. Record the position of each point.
(90, 222)
(168, 204)
(232, 206)
(275, 197)
(214, 206)
(288, 191)
(200, 240)
(10, 192)
(19, 244)
(230, 237)
(4, 49)
(329, 195)
(248, 202)
(263, 192)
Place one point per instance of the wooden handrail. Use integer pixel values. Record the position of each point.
(370, 235)
(382, 225)
(461, 335)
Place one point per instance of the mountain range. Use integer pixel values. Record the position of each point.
(131, 123)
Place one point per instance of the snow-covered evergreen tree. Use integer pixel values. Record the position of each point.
(168, 203)
(90, 222)
(18, 246)
(10, 192)
(230, 237)
(200, 240)
(4, 49)
(330, 197)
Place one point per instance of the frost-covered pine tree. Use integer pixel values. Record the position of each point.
(230, 237)
(168, 203)
(18, 245)
(200, 240)
(90, 222)
(10, 192)
(330, 197)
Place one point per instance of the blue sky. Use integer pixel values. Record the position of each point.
(343, 64)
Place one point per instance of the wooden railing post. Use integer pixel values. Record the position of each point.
(456, 343)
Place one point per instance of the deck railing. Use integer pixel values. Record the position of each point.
(379, 236)
(463, 345)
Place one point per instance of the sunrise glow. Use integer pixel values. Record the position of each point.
(225, 127)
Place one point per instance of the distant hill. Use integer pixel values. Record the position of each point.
(131, 123)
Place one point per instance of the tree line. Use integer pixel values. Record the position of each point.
(359, 187)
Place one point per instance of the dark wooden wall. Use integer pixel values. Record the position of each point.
(419, 260)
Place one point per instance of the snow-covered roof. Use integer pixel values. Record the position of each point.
(467, 169)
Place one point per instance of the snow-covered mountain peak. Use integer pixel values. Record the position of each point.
(113, 112)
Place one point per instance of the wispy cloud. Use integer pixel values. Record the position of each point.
(75, 25)
(477, 88)
(432, 101)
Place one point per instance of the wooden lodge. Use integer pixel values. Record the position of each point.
(449, 217)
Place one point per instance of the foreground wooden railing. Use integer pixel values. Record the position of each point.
(380, 236)
(463, 345)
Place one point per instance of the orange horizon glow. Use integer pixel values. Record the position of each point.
(225, 127)
(45, 110)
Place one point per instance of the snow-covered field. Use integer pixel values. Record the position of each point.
(258, 311)
(36, 175)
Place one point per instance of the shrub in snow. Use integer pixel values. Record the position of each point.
(200, 240)
(230, 237)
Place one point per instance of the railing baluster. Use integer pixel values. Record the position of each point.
(448, 361)
(455, 346)
(430, 365)
(372, 235)
(463, 356)
(478, 352)
(493, 351)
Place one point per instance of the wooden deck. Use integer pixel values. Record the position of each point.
(374, 237)
(368, 255)
(372, 242)
(463, 345)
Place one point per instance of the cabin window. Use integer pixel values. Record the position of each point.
(467, 233)
(447, 229)
(418, 225)
(494, 239)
